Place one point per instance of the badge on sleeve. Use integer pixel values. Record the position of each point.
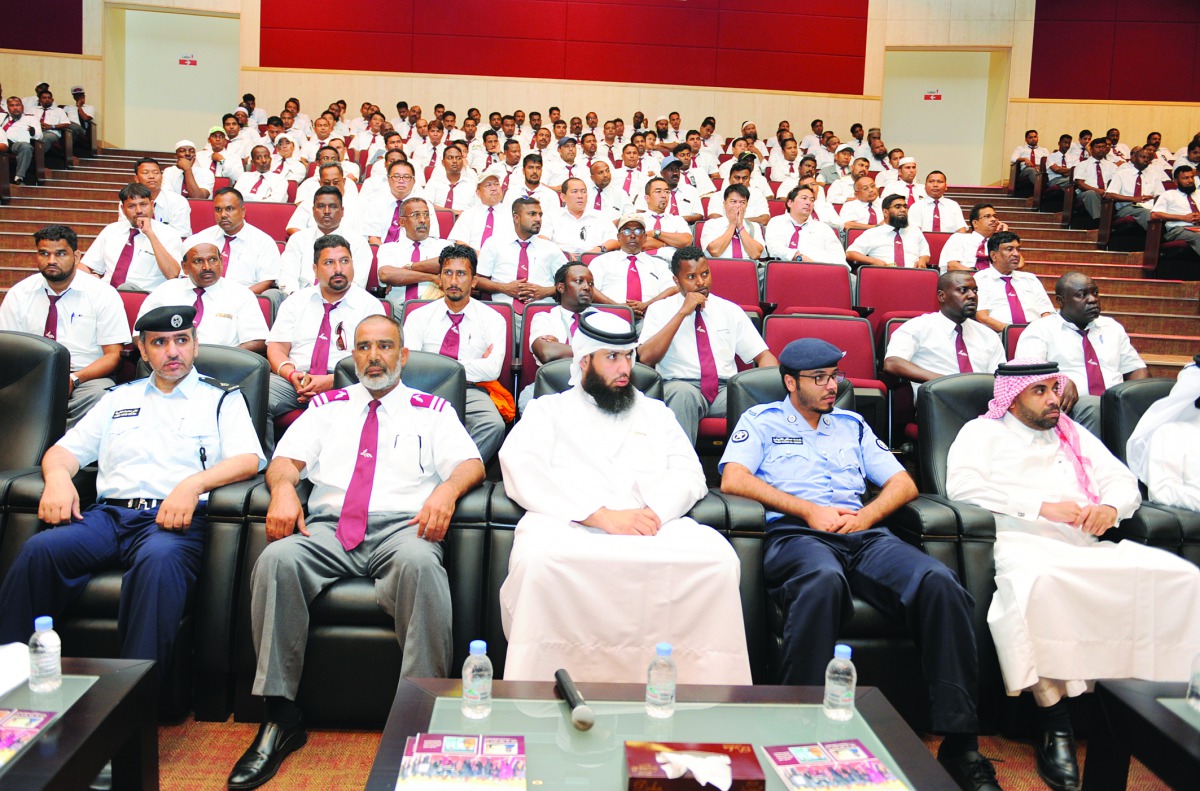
(883, 446)
(740, 435)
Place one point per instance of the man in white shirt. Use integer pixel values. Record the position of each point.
(731, 235)
(410, 264)
(471, 332)
(21, 130)
(1162, 451)
(1094, 351)
(969, 250)
(519, 268)
(630, 176)
(1030, 156)
(508, 169)
(248, 255)
(1118, 152)
(323, 133)
(841, 191)
(881, 161)
(1178, 209)
(531, 186)
(329, 174)
(227, 314)
(65, 304)
(896, 243)
(839, 168)
(257, 115)
(286, 161)
(1092, 176)
(812, 141)
(550, 331)
(170, 208)
(450, 189)
(605, 195)
(797, 236)
(692, 174)
(80, 113)
(948, 341)
(785, 161)
(259, 183)
(692, 339)
(1133, 189)
(934, 212)
(327, 216)
(1068, 608)
(369, 138)
(484, 154)
(577, 229)
(567, 164)
(631, 275)
(905, 184)
(683, 199)
(241, 137)
(866, 210)
(186, 176)
(52, 120)
(217, 157)
(665, 231)
(137, 252)
(1190, 155)
(1060, 165)
(1006, 294)
(757, 208)
(381, 212)
(702, 158)
(313, 330)
(484, 219)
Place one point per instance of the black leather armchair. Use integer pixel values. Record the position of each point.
(347, 625)
(1121, 408)
(553, 377)
(33, 403)
(203, 657)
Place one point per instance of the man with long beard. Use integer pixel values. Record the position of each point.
(893, 242)
(605, 564)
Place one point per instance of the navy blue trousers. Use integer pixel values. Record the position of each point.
(161, 566)
(812, 575)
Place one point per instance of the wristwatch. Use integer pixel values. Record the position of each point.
(74, 380)
(657, 233)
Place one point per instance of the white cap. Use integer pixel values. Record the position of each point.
(906, 161)
(184, 144)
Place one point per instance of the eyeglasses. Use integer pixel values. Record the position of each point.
(820, 380)
(633, 231)
(341, 336)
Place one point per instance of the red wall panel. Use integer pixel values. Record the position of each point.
(727, 43)
(1116, 50)
(44, 26)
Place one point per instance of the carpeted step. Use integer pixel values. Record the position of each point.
(1130, 286)
(1156, 324)
(27, 227)
(1175, 345)
(1058, 267)
(62, 212)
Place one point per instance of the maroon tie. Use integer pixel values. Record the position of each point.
(596, 206)
(657, 222)
(507, 176)
(412, 290)
(911, 200)
(198, 305)
(1095, 376)
(51, 330)
(1192, 204)
(319, 364)
(795, 237)
(183, 189)
(871, 217)
(212, 165)
(121, 271)
(960, 346)
(628, 181)
(8, 124)
(674, 206)
(522, 271)
(898, 250)
(937, 217)
(710, 383)
(393, 233)
(450, 196)
(279, 168)
(981, 256)
(487, 226)
(450, 342)
(574, 326)
(352, 523)
(1137, 186)
(633, 281)
(1099, 175)
(257, 184)
(1014, 302)
(737, 245)
(225, 255)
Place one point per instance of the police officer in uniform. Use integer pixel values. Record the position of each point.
(161, 444)
(387, 464)
(807, 462)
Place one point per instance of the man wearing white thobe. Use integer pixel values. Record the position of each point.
(605, 564)
(1164, 449)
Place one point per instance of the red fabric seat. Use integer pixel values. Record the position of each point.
(817, 288)
(736, 279)
(890, 290)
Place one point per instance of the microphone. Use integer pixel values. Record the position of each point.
(582, 716)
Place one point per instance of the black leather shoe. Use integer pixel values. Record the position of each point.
(971, 771)
(259, 764)
(1056, 763)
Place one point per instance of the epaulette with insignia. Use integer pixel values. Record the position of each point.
(428, 401)
(328, 397)
(758, 409)
(217, 383)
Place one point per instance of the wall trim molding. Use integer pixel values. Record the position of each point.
(168, 9)
(41, 54)
(1108, 102)
(654, 86)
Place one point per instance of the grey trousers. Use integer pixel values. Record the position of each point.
(24, 154)
(1029, 174)
(281, 399)
(85, 396)
(51, 138)
(1087, 412)
(1091, 203)
(1139, 215)
(410, 585)
(484, 423)
(684, 398)
(1181, 233)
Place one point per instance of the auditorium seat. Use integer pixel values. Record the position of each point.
(445, 219)
(1009, 337)
(894, 291)
(199, 673)
(506, 370)
(936, 242)
(799, 287)
(736, 279)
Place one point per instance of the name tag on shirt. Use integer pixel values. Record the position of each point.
(788, 440)
(126, 413)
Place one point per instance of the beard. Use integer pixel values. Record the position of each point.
(381, 381)
(1035, 419)
(613, 399)
(899, 223)
(1188, 190)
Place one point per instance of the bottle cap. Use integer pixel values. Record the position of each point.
(663, 649)
(478, 647)
(841, 651)
(43, 623)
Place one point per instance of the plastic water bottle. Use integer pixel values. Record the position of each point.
(477, 682)
(1193, 690)
(660, 683)
(840, 679)
(45, 656)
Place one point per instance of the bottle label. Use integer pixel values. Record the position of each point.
(476, 692)
(659, 695)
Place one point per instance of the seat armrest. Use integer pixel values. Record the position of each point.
(923, 517)
(26, 492)
(504, 510)
(1151, 526)
(711, 510)
(745, 515)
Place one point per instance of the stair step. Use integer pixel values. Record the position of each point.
(103, 192)
(1057, 268)
(26, 227)
(1175, 345)
(1034, 252)
(1152, 324)
(1165, 366)
(11, 275)
(18, 241)
(1039, 233)
(91, 211)
(1132, 286)
(1120, 302)
(1055, 242)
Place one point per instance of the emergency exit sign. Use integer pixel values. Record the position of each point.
(187, 60)
(933, 96)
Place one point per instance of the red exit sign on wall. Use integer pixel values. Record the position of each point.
(933, 96)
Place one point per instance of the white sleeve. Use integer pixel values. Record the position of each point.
(903, 343)
(970, 476)
(1173, 454)
(1031, 345)
(112, 326)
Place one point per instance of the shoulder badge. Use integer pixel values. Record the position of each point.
(428, 401)
(329, 396)
(217, 383)
(741, 435)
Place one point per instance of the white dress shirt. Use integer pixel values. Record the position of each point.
(667, 223)
(25, 129)
(857, 211)
(1023, 152)
(840, 191)
(253, 256)
(757, 206)
(400, 254)
(227, 167)
(143, 272)
(90, 315)
(900, 187)
(1055, 339)
(172, 178)
(683, 201)
(470, 225)
(929, 341)
(993, 297)
(963, 248)
(610, 272)
(579, 234)
(482, 336)
(879, 242)
(378, 209)
(232, 315)
(267, 186)
(1085, 171)
(715, 227)
(307, 190)
(1124, 182)
(299, 320)
(170, 208)
(817, 241)
(296, 268)
(554, 323)
(1175, 202)
(949, 213)
(72, 112)
(614, 203)
(438, 191)
(730, 333)
(498, 262)
(547, 198)
(635, 178)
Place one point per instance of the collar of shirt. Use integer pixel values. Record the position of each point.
(1073, 327)
(184, 388)
(1027, 435)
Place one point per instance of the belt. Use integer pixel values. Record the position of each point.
(135, 504)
